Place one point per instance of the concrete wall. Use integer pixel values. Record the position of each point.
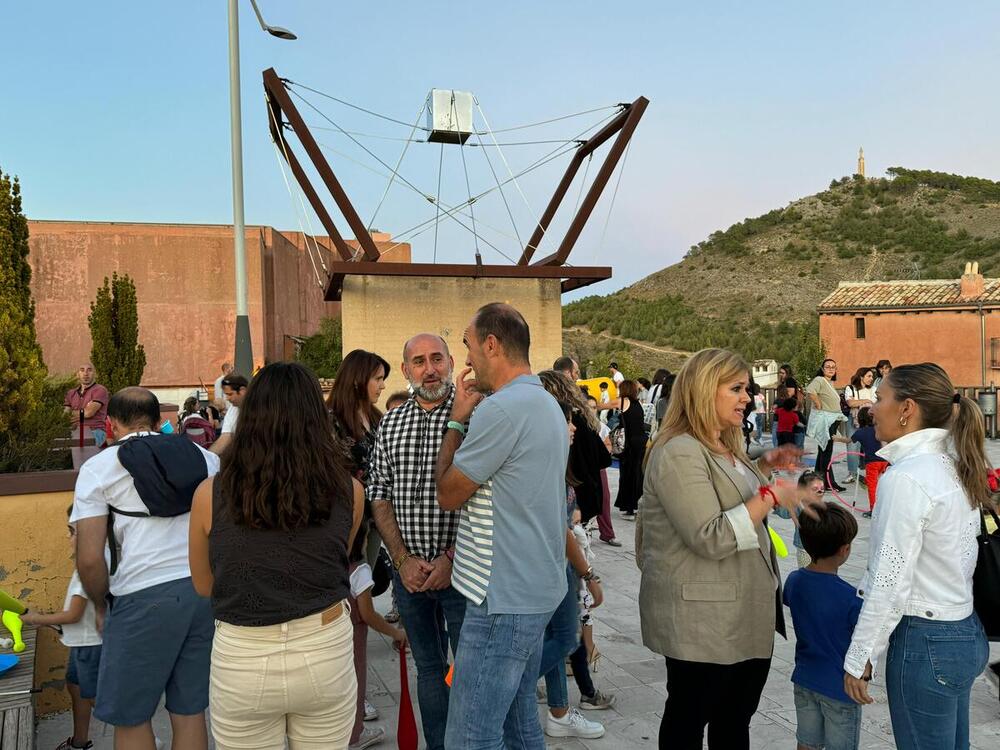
(185, 283)
(35, 566)
(379, 313)
(951, 339)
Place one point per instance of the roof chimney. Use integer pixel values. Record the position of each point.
(972, 284)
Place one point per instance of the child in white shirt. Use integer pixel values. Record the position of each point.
(78, 625)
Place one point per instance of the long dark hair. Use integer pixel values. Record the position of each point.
(856, 380)
(348, 399)
(282, 469)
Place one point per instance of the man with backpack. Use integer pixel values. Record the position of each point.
(135, 498)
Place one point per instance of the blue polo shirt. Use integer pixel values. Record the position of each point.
(516, 449)
(825, 609)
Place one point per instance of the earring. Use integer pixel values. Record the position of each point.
(902, 422)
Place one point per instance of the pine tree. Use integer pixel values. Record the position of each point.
(118, 357)
(22, 376)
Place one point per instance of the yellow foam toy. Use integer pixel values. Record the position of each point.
(12, 621)
(778, 542)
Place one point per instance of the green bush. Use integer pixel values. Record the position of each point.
(323, 351)
(30, 449)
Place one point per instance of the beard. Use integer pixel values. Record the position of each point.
(432, 393)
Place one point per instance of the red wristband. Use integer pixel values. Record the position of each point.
(765, 491)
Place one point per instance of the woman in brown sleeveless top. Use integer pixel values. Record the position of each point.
(269, 541)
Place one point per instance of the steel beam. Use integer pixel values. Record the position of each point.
(278, 94)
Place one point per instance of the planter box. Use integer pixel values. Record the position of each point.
(36, 561)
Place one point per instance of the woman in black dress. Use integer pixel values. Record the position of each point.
(630, 459)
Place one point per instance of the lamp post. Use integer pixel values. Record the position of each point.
(244, 349)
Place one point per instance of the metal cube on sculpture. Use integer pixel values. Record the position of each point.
(449, 116)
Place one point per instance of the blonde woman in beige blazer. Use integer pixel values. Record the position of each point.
(710, 597)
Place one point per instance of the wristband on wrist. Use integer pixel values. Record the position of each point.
(765, 492)
(398, 562)
(589, 575)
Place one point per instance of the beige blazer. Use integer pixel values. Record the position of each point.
(707, 593)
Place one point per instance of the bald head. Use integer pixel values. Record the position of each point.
(132, 409)
(422, 341)
(427, 366)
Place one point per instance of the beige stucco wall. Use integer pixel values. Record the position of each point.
(379, 313)
(35, 566)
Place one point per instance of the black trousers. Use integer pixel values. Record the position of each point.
(723, 696)
(823, 458)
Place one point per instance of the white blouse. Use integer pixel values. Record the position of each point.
(922, 550)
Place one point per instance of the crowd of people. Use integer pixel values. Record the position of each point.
(232, 565)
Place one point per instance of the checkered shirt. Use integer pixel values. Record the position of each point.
(402, 468)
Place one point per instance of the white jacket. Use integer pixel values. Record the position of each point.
(922, 550)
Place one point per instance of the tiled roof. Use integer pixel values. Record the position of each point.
(864, 295)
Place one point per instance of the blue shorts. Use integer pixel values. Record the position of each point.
(826, 723)
(156, 641)
(82, 668)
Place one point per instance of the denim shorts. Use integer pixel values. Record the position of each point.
(156, 641)
(826, 723)
(82, 668)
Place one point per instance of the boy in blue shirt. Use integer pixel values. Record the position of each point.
(825, 610)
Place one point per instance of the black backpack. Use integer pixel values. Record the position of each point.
(166, 470)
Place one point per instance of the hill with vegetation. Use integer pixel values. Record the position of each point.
(754, 287)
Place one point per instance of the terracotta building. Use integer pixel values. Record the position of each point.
(185, 284)
(953, 322)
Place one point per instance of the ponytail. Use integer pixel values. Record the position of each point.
(930, 387)
(968, 433)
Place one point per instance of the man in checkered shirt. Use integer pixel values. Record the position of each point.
(419, 535)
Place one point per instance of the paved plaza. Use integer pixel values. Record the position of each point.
(636, 675)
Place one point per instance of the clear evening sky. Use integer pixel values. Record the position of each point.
(119, 111)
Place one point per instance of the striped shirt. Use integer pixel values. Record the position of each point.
(470, 573)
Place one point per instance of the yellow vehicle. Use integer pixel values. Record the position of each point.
(593, 386)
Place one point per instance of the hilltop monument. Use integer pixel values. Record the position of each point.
(861, 162)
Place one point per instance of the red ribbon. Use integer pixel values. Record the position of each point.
(406, 727)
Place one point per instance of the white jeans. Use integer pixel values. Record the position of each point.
(293, 680)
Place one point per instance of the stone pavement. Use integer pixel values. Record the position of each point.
(636, 675)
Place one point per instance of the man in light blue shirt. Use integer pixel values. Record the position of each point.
(509, 478)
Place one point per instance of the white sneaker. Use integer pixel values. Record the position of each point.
(573, 725)
(371, 713)
(369, 737)
(849, 479)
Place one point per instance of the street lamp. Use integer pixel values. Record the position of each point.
(244, 349)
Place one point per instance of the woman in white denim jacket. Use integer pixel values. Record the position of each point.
(917, 591)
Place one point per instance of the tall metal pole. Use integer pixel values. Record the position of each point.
(243, 358)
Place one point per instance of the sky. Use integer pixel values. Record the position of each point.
(119, 111)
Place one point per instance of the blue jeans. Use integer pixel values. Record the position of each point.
(853, 459)
(562, 637)
(758, 419)
(825, 722)
(431, 619)
(930, 668)
(492, 704)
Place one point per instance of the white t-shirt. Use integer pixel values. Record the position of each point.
(229, 421)
(604, 432)
(217, 392)
(618, 377)
(84, 632)
(605, 397)
(361, 580)
(154, 550)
